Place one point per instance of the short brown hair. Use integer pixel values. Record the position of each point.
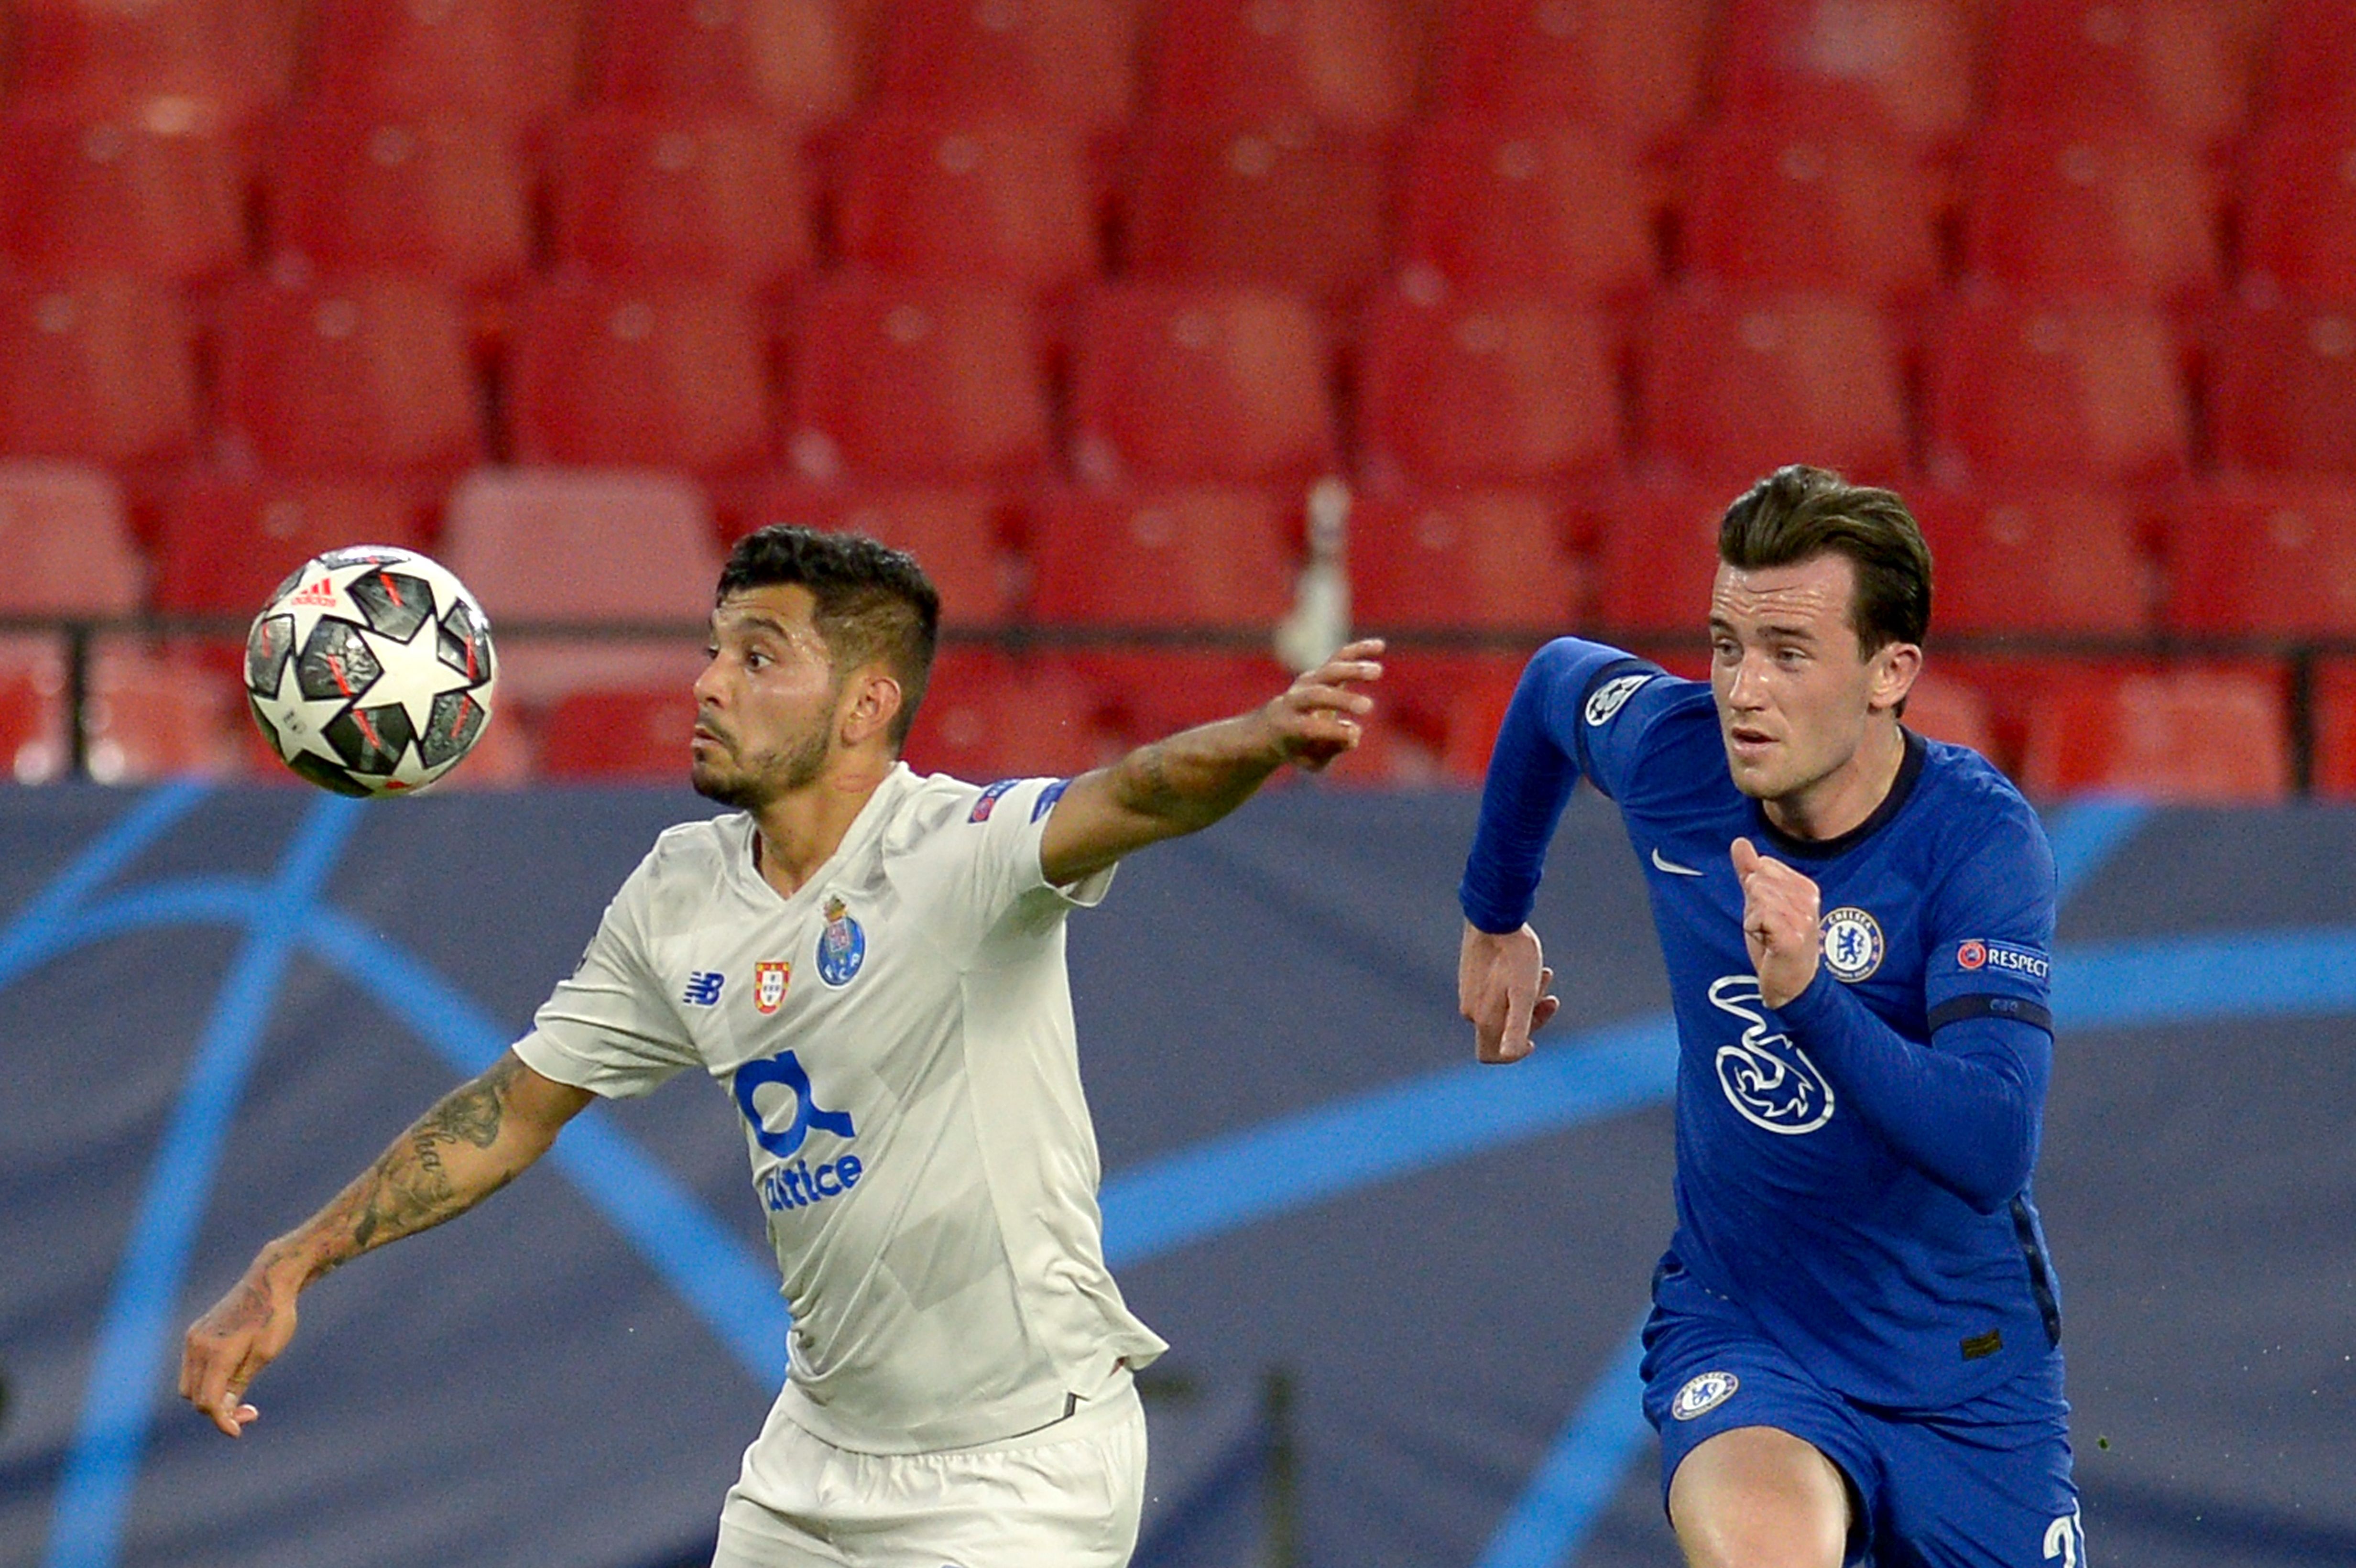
(872, 602)
(1798, 512)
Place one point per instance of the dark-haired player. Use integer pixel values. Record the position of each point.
(870, 964)
(1855, 1339)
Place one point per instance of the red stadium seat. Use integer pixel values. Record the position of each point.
(1486, 392)
(1144, 694)
(2214, 735)
(1657, 557)
(1435, 721)
(432, 196)
(2335, 728)
(157, 713)
(2125, 214)
(1178, 385)
(1943, 707)
(2183, 66)
(618, 733)
(512, 64)
(2312, 72)
(582, 545)
(1291, 207)
(959, 535)
(610, 374)
(985, 716)
(1347, 64)
(585, 546)
(227, 540)
(33, 745)
(1556, 211)
(1164, 558)
(366, 376)
(1746, 383)
(171, 66)
(2273, 557)
(65, 543)
(2032, 559)
(1786, 207)
(98, 368)
(974, 197)
(916, 381)
(110, 196)
(1633, 69)
(800, 59)
(1905, 67)
(2084, 392)
(2282, 387)
(708, 195)
(1452, 559)
(1063, 62)
(2298, 212)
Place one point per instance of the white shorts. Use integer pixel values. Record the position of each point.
(1067, 1496)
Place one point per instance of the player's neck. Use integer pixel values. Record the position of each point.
(1843, 799)
(799, 832)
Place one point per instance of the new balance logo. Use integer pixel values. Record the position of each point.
(1671, 867)
(703, 989)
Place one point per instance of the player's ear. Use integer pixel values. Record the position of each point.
(875, 701)
(1895, 667)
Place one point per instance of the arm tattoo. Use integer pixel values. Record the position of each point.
(410, 1188)
(1150, 791)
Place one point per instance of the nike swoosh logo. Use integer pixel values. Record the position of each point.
(1672, 868)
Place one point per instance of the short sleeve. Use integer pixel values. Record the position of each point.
(1991, 929)
(608, 1028)
(982, 864)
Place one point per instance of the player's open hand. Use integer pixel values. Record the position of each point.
(1779, 924)
(1501, 986)
(229, 1346)
(1321, 715)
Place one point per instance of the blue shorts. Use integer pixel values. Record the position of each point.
(1984, 1485)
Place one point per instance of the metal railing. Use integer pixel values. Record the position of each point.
(2300, 657)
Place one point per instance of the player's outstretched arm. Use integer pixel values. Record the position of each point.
(1194, 778)
(475, 1141)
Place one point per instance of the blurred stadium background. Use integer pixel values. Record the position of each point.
(1173, 336)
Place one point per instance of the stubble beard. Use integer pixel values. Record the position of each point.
(768, 778)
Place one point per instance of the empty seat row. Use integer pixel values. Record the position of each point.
(1641, 68)
(2238, 559)
(909, 379)
(736, 198)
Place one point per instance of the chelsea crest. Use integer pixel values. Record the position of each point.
(1852, 942)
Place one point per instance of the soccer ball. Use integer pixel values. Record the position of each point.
(371, 671)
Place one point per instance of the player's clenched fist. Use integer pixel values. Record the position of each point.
(1779, 924)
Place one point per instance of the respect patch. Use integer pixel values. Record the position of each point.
(2003, 956)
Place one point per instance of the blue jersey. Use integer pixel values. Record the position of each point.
(1852, 1168)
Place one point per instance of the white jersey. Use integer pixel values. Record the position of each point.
(897, 1039)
